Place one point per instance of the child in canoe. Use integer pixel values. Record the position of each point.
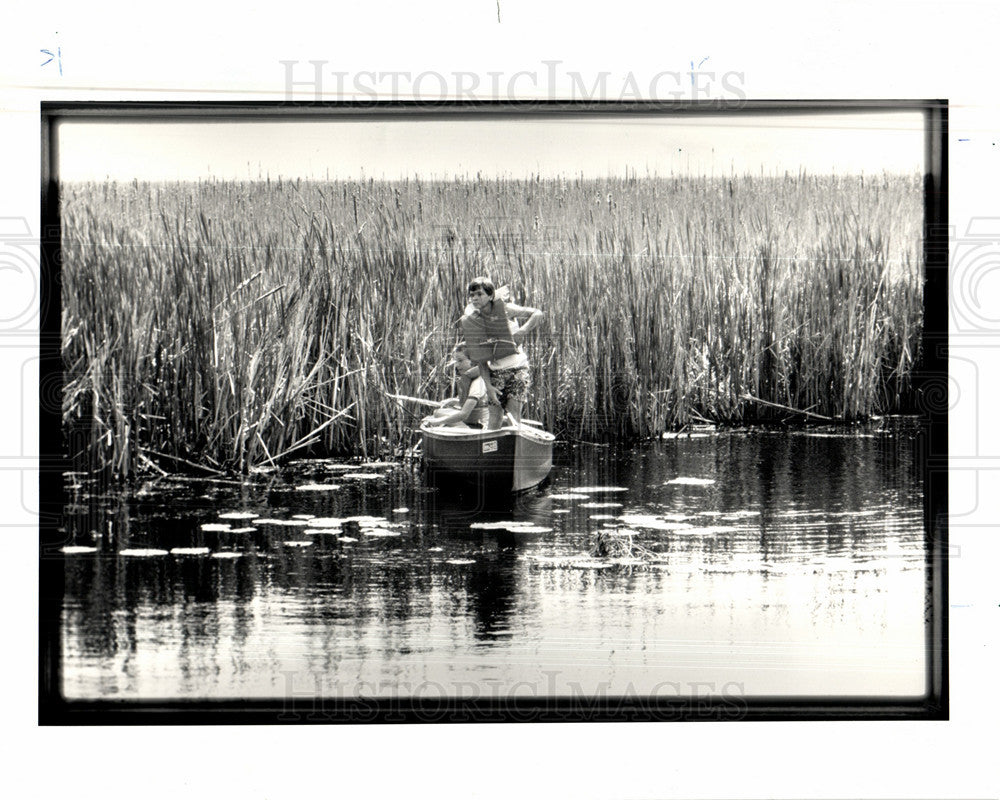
(493, 341)
(471, 408)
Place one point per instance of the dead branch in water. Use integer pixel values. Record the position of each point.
(769, 404)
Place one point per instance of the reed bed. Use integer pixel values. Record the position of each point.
(231, 324)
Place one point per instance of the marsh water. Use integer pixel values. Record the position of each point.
(763, 562)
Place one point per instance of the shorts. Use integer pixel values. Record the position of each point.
(511, 384)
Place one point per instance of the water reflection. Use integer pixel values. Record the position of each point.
(791, 563)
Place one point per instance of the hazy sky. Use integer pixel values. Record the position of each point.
(596, 147)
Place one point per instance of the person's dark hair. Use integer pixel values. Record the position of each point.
(484, 283)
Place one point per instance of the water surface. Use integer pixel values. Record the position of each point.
(756, 562)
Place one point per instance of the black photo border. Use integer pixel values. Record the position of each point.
(53, 709)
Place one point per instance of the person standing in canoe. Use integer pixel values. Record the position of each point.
(493, 341)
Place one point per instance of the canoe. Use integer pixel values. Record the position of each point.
(509, 459)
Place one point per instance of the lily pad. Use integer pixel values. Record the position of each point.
(142, 552)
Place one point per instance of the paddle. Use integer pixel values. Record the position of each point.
(418, 400)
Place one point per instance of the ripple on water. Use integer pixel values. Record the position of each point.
(653, 522)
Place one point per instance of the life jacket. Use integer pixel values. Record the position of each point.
(488, 338)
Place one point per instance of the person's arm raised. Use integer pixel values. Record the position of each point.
(532, 319)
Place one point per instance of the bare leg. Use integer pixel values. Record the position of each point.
(496, 417)
(514, 409)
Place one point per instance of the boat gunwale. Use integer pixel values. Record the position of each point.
(456, 434)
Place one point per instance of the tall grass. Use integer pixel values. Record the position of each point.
(230, 324)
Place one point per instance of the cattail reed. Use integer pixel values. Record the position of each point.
(234, 324)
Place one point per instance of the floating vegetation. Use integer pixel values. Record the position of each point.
(325, 522)
(460, 561)
(227, 554)
(304, 516)
(287, 523)
(297, 544)
(690, 482)
(346, 539)
(603, 516)
(683, 435)
(189, 551)
(363, 476)
(512, 526)
(77, 549)
(216, 526)
(319, 487)
(435, 549)
(402, 510)
(322, 530)
(600, 505)
(239, 515)
(380, 532)
(142, 552)
(559, 511)
(248, 529)
(619, 546)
